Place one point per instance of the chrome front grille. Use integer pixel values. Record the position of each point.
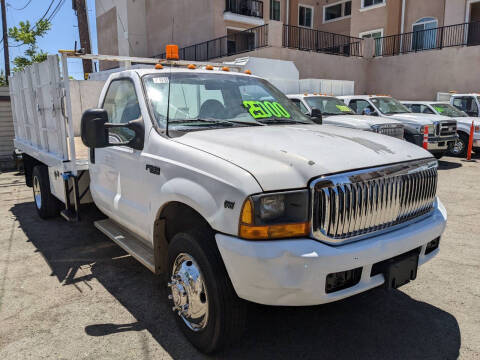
(349, 206)
(446, 128)
(395, 131)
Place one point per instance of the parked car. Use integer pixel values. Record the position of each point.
(335, 112)
(464, 122)
(215, 178)
(441, 129)
(470, 103)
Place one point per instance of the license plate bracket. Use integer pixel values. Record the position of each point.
(401, 271)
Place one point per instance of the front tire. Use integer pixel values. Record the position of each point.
(206, 307)
(46, 204)
(460, 147)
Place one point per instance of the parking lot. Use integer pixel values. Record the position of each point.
(67, 292)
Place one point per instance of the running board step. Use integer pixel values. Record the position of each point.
(128, 242)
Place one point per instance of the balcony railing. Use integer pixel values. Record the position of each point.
(300, 38)
(245, 7)
(231, 44)
(429, 39)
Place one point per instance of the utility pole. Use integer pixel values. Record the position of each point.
(5, 40)
(80, 7)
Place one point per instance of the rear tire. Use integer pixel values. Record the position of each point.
(46, 204)
(460, 147)
(215, 316)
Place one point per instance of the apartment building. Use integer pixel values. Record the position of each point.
(407, 48)
(144, 27)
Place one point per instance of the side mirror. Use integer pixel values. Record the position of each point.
(316, 116)
(93, 130)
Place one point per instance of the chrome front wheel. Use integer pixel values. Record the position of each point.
(189, 292)
(37, 194)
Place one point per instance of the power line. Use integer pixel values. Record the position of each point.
(56, 10)
(22, 8)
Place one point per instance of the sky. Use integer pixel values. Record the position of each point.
(62, 35)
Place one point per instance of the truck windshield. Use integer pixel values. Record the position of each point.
(389, 106)
(448, 110)
(200, 101)
(329, 105)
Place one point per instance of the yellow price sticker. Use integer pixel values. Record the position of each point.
(343, 108)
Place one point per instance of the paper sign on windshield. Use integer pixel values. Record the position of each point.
(266, 109)
(439, 109)
(343, 108)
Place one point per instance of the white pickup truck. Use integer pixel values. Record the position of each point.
(441, 129)
(334, 112)
(215, 178)
(470, 103)
(464, 123)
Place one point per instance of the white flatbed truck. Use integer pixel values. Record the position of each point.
(215, 178)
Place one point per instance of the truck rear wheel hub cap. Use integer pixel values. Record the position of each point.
(458, 147)
(36, 192)
(188, 292)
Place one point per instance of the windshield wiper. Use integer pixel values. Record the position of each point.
(215, 121)
(283, 121)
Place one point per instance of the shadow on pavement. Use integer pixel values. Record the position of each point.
(377, 324)
(448, 165)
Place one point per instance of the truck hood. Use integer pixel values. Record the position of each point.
(363, 122)
(418, 119)
(288, 156)
(468, 120)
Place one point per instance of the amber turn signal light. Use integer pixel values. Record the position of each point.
(247, 229)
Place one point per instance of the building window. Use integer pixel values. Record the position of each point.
(305, 16)
(367, 3)
(337, 11)
(348, 8)
(376, 35)
(275, 10)
(425, 34)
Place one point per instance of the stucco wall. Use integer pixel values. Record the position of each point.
(107, 36)
(455, 11)
(366, 20)
(419, 76)
(184, 23)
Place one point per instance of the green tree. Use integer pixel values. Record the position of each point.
(3, 79)
(27, 35)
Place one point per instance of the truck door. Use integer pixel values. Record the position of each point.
(118, 175)
(467, 104)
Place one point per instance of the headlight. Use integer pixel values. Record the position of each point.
(431, 129)
(275, 216)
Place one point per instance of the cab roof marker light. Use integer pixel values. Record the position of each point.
(248, 72)
(159, 66)
(208, 67)
(191, 66)
(225, 68)
(172, 52)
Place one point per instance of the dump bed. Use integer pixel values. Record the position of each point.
(41, 101)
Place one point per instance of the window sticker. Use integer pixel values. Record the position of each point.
(343, 108)
(160, 80)
(266, 109)
(439, 109)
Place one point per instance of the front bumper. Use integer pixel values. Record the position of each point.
(434, 143)
(293, 272)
